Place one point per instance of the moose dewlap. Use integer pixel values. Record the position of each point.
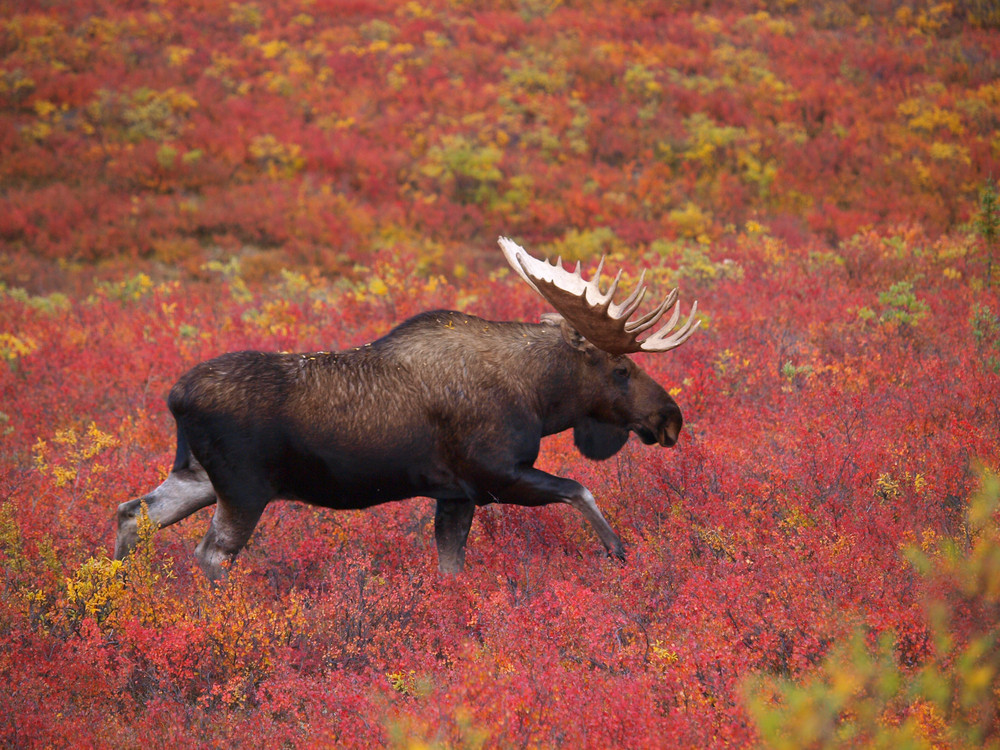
(446, 405)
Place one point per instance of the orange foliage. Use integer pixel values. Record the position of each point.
(181, 180)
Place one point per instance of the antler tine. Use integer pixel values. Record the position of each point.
(665, 328)
(688, 328)
(597, 274)
(631, 303)
(651, 318)
(662, 342)
(610, 294)
(672, 323)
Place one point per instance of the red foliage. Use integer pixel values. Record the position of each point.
(807, 175)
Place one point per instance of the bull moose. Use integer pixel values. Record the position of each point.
(446, 405)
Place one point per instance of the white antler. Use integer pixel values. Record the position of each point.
(594, 313)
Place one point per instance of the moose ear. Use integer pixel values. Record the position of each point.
(551, 319)
(574, 338)
(598, 441)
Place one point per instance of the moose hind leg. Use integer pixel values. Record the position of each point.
(452, 521)
(183, 492)
(535, 487)
(228, 533)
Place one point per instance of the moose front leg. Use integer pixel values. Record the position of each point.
(452, 521)
(535, 487)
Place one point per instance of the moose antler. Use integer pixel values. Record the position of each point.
(604, 323)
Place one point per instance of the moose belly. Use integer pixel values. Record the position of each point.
(359, 478)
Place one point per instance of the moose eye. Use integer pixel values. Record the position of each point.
(621, 371)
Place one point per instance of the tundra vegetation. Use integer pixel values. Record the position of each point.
(815, 563)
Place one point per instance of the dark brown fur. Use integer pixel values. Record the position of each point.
(447, 406)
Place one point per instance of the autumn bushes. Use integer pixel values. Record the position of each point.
(185, 137)
(936, 689)
(812, 564)
(835, 404)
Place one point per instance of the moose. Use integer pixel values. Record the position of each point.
(447, 406)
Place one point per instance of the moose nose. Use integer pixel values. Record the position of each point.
(670, 429)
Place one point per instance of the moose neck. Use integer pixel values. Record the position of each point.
(558, 371)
